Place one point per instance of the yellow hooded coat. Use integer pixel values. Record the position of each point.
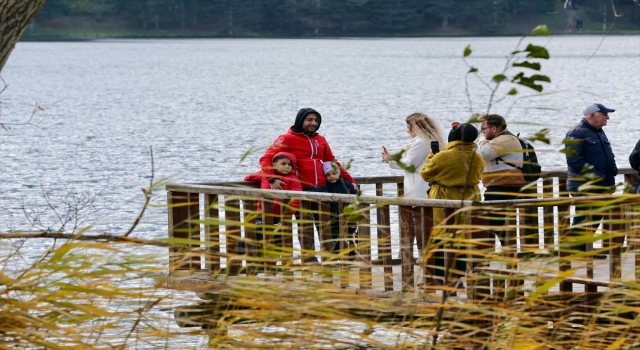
(454, 173)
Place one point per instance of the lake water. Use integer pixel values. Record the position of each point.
(202, 104)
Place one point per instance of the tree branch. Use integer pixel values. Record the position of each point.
(105, 237)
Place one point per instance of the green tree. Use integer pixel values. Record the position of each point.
(443, 9)
(395, 16)
(485, 16)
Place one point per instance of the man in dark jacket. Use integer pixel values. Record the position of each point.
(590, 160)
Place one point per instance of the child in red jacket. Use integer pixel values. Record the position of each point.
(284, 166)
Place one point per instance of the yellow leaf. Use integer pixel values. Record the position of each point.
(617, 344)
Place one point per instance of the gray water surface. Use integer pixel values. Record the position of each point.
(202, 104)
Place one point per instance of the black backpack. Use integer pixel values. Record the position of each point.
(531, 169)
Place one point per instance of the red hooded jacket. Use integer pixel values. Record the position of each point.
(310, 150)
(290, 180)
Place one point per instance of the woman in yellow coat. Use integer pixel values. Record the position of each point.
(454, 173)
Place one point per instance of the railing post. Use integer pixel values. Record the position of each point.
(510, 250)
(479, 286)
(428, 260)
(342, 246)
(616, 230)
(384, 241)
(363, 242)
(547, 212)
(184, 215)
(324, 225)
(286, 238)
(530, 224)
(212, 232)
(564, 223)
(266, 230)
(305, 231)
(249, 207)
(232, 234)
(406, 247)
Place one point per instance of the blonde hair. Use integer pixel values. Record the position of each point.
(425, 127)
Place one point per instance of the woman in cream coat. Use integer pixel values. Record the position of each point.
(422, 130)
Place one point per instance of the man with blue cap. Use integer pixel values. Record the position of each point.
(590, 160)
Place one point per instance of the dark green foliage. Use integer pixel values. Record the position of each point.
(54, 8)
(332, 17)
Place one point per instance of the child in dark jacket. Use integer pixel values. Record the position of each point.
(284, 168)
(336, 184)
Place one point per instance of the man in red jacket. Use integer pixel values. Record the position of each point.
(311, 150)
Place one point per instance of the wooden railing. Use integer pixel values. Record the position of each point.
(209, 220)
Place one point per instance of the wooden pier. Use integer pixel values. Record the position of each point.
(535, 273)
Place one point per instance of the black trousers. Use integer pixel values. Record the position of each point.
(335, 234)
(460, 265)
(498, 220)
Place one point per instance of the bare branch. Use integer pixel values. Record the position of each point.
(104, 237)
(615, 17)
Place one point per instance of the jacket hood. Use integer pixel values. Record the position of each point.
(302, 113)
(291, 157)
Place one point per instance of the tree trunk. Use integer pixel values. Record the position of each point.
(15, 16)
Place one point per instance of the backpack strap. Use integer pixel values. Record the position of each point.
(507, 163)
(502, 160)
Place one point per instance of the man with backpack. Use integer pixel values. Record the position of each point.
(503, 158)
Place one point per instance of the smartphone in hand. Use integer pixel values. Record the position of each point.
(435, 147)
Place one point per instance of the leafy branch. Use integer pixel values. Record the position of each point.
(519, 59)
(396, 157)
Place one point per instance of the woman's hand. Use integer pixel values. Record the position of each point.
(385, 155)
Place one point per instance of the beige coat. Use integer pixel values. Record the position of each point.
(496, 172)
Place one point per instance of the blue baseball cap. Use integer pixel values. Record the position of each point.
(597, 107)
